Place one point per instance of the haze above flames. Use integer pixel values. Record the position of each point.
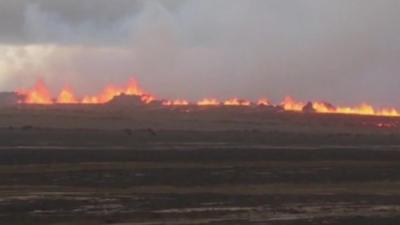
(340, 51)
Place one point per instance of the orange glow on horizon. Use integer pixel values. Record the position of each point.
(110, 91)
(289, 104)
(264, 102)
(236, 102)
(363, 109)
(40, 94)
(208, 102)
(67, 96)
(177, 102)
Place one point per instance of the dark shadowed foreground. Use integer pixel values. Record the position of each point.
(93, 165)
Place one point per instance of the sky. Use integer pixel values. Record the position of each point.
(343, 51)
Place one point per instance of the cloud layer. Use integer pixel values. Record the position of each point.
(342, 51)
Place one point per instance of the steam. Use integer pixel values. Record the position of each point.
(340, 51)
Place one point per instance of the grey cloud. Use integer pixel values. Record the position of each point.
(67, 22)
(343, 51)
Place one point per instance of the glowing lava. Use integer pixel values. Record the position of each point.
(67, 96)
(365, 109)
(264, 102)
(109, 92)
(209, 102)
(289, 104)
(146, 98)
(237, 102)
(178, 102)
(40, 94)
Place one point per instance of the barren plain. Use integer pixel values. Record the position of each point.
(73, 165)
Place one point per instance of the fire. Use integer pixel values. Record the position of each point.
(237, 102)
(389, 112)
(111, 91)
(90, 100)
(67, 96)
(363, 109)
(178, 102)
(40, 94)
(366, 109)
(208, 102)
(289, 104)
(147, 98)
(263, 102)
(323, 107)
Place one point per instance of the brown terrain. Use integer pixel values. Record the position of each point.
(149, 165)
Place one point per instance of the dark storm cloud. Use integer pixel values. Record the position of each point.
(344, 51)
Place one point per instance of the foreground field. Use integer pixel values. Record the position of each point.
(229, 167)
(200, 186)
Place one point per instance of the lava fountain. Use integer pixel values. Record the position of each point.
(40, 94)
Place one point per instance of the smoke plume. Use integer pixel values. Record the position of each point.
(340, 51)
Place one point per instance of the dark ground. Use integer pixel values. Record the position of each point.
(229, 167)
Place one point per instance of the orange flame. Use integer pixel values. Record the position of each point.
(208, 102)
(263, 102)
(289, 104)
(111, 91)
(237, 102)
(322, 107)
(363, 109)
(147, 98)
(178, 102)
(67, 96)
(39, 94)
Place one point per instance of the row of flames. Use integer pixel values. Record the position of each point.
(40, 94)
